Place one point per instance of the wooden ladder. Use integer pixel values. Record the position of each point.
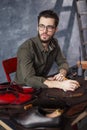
(82, 22)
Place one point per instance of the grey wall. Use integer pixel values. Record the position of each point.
(18, 21)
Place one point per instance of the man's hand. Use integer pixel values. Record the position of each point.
(69, 85)
(59, 77)
(66, 85)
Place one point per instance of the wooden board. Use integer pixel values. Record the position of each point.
(84, 64)
(4, 126)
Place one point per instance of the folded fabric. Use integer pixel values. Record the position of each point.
(16, 96)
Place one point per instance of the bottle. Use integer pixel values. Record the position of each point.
(85, 74)
(80, 70)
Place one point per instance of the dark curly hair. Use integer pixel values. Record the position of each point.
(49, 14)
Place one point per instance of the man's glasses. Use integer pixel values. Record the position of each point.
(49, 27)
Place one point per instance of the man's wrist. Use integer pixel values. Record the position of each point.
(63, 72)
(53, 84)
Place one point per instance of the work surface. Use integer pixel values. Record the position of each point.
(9, 124)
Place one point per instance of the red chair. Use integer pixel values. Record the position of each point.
(10, 66)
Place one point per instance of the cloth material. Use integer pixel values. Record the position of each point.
(74, 102)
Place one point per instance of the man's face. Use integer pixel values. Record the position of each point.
(46, 29)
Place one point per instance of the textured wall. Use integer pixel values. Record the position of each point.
(18, 21)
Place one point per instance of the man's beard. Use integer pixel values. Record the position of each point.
(44, 41)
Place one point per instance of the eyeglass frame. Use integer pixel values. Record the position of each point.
(47, 27)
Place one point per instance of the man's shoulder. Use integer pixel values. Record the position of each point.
(27, 43)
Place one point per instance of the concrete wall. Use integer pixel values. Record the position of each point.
(18, 22)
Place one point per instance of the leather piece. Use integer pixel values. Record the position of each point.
(57, 98)
(16, 87)
(33, 118)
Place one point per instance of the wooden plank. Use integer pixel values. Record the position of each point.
(5, 126)
(84, 43)
(83, 63)
(84, 28)
(83, 13)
